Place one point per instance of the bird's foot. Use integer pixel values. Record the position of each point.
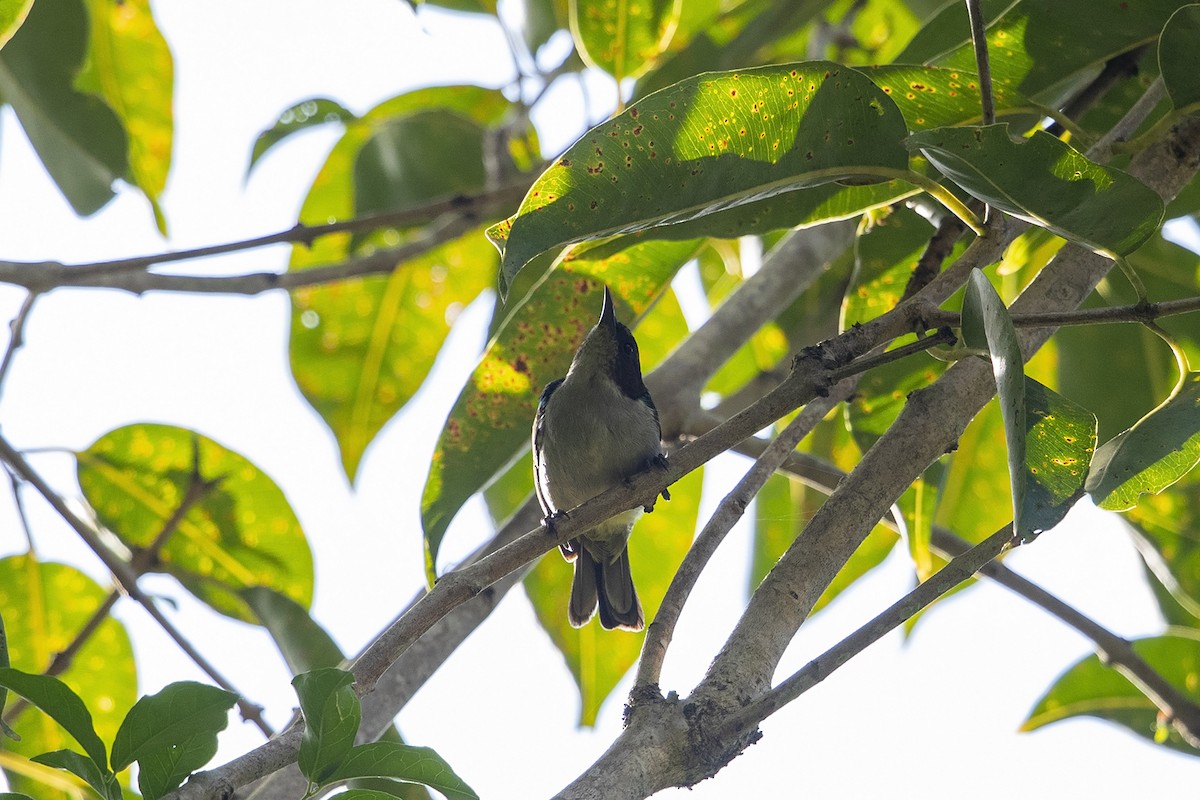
(658, 462)
(551, 522)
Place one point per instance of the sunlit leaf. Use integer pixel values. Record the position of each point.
(885, 254)
(707, 144)
(77, 136)
(361, 348)
(1093, 354)
(12, 16)
(1045, 181)
(1092, 688)
(241, 533)
(1158, 450)
(623, 37)
(1060, 441)
(491, 421)
(1164, 531)
(731, 39)
(131, 68)
(1179, 58)
(1034, 47)
(59, 702)
(45, 606)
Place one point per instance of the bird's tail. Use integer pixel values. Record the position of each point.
(609, 586)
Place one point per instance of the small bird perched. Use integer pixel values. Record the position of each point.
(593, 429)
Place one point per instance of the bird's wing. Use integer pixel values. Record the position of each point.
(539, 466)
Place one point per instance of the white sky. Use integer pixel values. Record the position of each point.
(933, 717)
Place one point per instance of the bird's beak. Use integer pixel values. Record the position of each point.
(608, 314)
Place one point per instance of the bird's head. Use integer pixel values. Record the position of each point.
(610, 350)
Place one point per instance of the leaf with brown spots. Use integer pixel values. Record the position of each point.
(805, 125)
(623, 37)
(1036, 48)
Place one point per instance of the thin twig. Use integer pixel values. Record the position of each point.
(124, 575)
(983, 66)
(48, 276)
(1138, 312)
(1114, 650)
(817, 670)
(468, 207)
(16, 337)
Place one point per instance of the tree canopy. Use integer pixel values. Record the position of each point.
(942, 302)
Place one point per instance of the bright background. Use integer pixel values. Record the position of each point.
(933, 716)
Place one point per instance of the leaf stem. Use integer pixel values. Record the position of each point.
(947, 198)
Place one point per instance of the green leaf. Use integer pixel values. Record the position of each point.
(305, 645)
(362, 348)
(306, 114)
(1163, 532)
(885, 254)
(4, 729)
(45, 607)
(707, 144)
(415, 158)
(986, 319)
(103, 781)
(62, 705)
(241, 533)
(490, 422)
(731, 39)
(14, 796)
(1034, 47)
(623, 37)
(12, 16)
(1060, 442)
(176, 726)
(1179, 58)
(131, 69)
(1092, 354)
(1045, 181)
(403, 763)
(77, 136)
(936, 97)
(1158, 450)
(332, 713)
(1091, 688)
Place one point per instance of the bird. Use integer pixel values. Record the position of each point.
(595, 428)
